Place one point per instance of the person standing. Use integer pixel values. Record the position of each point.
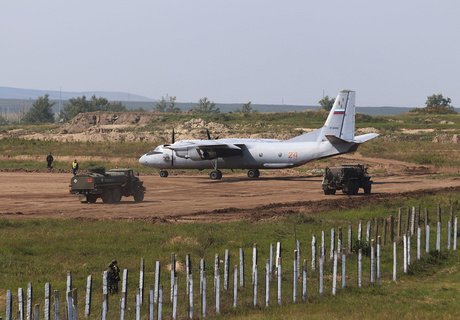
(49, 161)
(113, 277)
(75, 167)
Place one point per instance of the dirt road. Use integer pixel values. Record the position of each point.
(194, 198)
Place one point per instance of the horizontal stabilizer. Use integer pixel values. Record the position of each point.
(335, 140)
(365, 137)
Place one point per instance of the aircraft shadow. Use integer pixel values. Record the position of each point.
(244, 179)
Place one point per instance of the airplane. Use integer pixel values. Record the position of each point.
(337, 136)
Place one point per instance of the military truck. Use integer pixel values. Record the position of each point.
(109, 185)
(348, 177)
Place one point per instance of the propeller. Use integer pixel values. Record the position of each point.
(209, 135)
(173, 138)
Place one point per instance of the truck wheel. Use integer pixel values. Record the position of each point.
(107, 196)
(328, 191)
(116, 195)
(139, 196)
(91, 198)
(367, 188)
(352, 188)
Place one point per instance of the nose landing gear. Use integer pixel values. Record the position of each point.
(253, 173)
(163, 173)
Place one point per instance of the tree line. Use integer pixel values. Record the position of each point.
(42, 109)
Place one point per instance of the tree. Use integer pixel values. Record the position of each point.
(246, 109)
(172, 105)
(205, 106)
(167, 104)
(41, 111)
(436, 103)
(326, 103)
(81, 105)
(160, 106)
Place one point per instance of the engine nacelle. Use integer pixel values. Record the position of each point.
(196, 154)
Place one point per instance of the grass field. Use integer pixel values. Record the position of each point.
(44, 250)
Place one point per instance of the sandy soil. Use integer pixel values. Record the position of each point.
(197, 198)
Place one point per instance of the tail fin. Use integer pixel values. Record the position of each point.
(341, 119)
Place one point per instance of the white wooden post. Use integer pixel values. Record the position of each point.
(323, 245)
(449, 233)
(217, 279)
(255, 285)
(267, 283)
(394, 261)
(20, 304)
(151, 303)
(419, 238)
(427, 238)
(235, 286)
(172, 276)
(190, 295)
(68, 288)
(304, 280)
(278, 254)
(156, 287)
(334, 275)
(29, 314)
(56, 305)
(9, 306)
(350, 238)
(254, 262)
(368, 231)
(412, 221)
(124, 294)
(141, 282)
(313, 252)
(320, 274)
(105, 302)
(408, 237)
(438, 237)
(455, 234)
(271, 259)
(344, 269)
(202, 272)
(187, 273)
(339, 242)
(203, 296)
(242, 267)
(360, 231)
(298, 257)
(226, 269)
(89, 287)
(174, 301)
(216, 270)
(279, 273)
(332, 248)
(404, 253)
(36, 315)
(138, 304)
(372, 277)
(47, 307)
(360, 267)
(294, 278)
(160, 303)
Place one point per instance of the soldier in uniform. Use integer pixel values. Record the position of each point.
(113, 276)
(74, 167)
(49, 161)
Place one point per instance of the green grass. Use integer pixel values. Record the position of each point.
(41, 250)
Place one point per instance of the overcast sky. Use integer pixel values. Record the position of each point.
(265, 51)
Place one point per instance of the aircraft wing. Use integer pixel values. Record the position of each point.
(218, 149)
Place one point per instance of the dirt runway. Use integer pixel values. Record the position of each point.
(195, 198)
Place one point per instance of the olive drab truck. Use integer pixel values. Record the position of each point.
(109, 185)
(348, 177)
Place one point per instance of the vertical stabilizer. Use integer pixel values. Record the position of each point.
(341, 119)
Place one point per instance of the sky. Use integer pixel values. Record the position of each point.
(392, 53)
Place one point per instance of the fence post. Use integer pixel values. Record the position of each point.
(89, 287)
(449, 233)
(339, 241)
(408, 219)
(29, 314)
(334, 275)
(68, 289)
(255, 284)
(298, 257)
(294, 278)
(9, 306)
(174, 301)
(427, 238)
(350, 238)
(304, 280)
(438, 230)
(360, 267)
(378, 261)
(360, 231)
(372, 277)
(394, 261)
(151, 303)
(267, 283)
(141, 282)
(46, 308)
(105, 302)
(56, 305)
(313, 251)
(172, 275)
(344, 269)
(408, 249)
(160, 303)
(124, 293)
(75, 303)
(392, 229)
(157, 282)
(404, 253)
(271, 260)
(455, 234)
(226, 269)
(36, 315)
(203, 296)
(279, 273)
(399, 224)
(320, 274)
(242, 266)
(419, 236)
(323, 246)
(368, 232)
(138, 304)
(217, 281)
(412, 221)
(254, 262)
(331, 250)
(190, 292)
(376, 228)
(187, 273)
(235, 286)
(216, 270)
(202, 272)
(20, 304)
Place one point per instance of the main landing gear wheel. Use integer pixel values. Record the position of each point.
(253, 173)
(163, 173)
(215, 175)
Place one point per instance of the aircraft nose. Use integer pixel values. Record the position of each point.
(143, 160)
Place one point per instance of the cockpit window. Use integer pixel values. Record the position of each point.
(157, 150)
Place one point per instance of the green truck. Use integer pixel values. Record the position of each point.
(109, 185)
(348, 177)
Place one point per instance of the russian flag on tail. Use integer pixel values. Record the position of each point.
(339, 111)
